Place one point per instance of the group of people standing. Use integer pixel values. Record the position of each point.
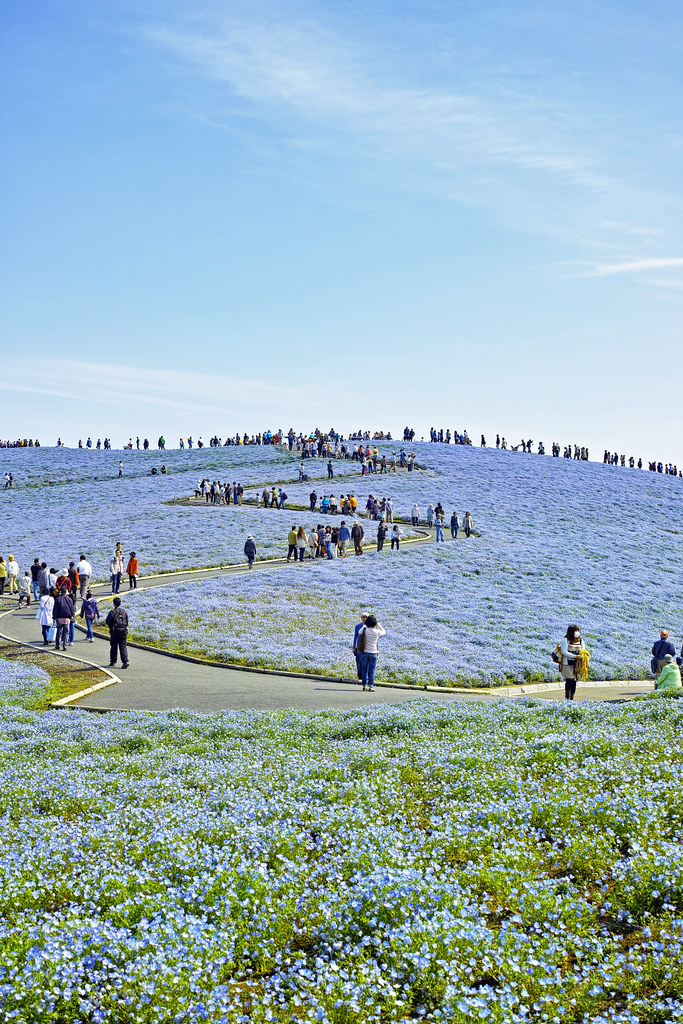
(56, 594)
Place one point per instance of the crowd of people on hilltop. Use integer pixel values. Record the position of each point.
(332, 444)
(570, 451)
(668, 468)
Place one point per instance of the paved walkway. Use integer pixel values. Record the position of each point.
(155, 682)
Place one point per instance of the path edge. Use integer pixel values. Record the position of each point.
(64, 702)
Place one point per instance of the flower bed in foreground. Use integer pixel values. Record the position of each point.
(515, 862)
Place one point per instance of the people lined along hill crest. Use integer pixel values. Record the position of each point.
(333, 444)
(21, 443)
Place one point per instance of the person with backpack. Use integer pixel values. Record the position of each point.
(660, 649)
(90, 610)
(366, 643)
(117, 621)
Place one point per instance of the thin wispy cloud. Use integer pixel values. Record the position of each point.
(509, 150)
(112, 384)
(637, 266)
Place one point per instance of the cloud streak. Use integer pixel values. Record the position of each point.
(637, 266)
(115, 385)
(487, 144)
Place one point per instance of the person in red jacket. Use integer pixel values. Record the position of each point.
(132, 570)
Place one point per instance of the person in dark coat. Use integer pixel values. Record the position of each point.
(250, 550)
(381, 535)
(660, 649)
(357, 534)
(62, 614)
(117, 620)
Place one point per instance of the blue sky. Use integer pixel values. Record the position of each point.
(226, 216)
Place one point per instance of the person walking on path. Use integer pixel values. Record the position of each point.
(25, 589)
(330, 470)
(381, 535)
(455, 526)
(430, 515)
(3, 575)
(117, 621)
(84, 573)
(660, 649)
(357, 534)
(570, 650)
(116, 572)
(415, 514)
(47, 604)
(13, 575)
(250, 550)
(35, 584)
(63, 613)
(467, 524)
(395, 538)
(301, 543)
(670, 676)
(439, 528)
(133, 570)
(368, 638)
(90, 610)
(291, 542)
(358, 655)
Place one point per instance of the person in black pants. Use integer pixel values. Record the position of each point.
(117, 620)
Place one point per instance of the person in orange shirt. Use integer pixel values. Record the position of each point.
(132, 570)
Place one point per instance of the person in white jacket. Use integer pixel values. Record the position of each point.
(13, 574)
(47, 603)
(368, 639)
(415, 514)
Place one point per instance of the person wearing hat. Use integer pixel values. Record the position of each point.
(250, 550)
(133, 571)
(13, 574)
(660, 649)
(670, 676)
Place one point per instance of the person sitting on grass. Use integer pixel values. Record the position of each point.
(670, 676)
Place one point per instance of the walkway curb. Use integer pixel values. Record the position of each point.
(65, 701)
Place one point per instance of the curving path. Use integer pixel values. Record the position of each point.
(157, 681)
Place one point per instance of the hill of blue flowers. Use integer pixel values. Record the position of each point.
(559, 542)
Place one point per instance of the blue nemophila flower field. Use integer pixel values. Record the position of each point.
(516, 862)
(559, 542)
